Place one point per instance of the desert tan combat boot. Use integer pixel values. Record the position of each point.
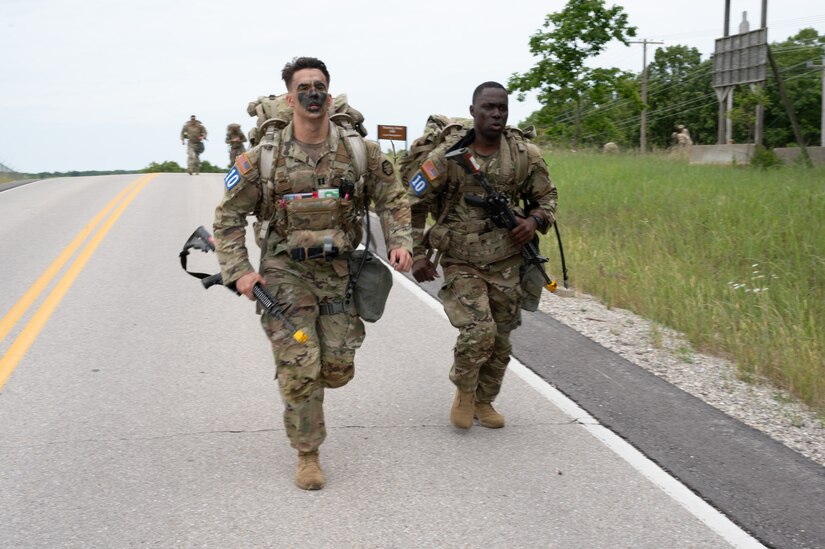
(461, 414)
(487, 415)
(309, 475)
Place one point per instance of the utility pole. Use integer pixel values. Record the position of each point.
(803, 151)
(759, 130)
(722, 93)
(643, 129)
(812, 65)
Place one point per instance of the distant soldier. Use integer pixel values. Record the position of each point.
(681, 137)
(235, 139)
(194, 132)
(684, 138)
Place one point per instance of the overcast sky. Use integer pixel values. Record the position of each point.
(101, 84)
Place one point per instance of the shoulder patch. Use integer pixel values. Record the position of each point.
(418, 184)
(430, 170)
(386, 167)
(232, 178)
(243, 164)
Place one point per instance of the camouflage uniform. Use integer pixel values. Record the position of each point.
(235, 139)
(481, 292)
(327, 359)
(194, 131)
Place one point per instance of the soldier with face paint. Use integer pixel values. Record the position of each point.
(482, 263)
(305, 240)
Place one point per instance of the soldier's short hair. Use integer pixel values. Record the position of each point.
(484, 86)
(299, 63)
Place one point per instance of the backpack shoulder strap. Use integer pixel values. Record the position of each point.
(270, 147)
(355, 144)
(518, 153)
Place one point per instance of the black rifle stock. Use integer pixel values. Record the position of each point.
(498, 207)
(203, 241)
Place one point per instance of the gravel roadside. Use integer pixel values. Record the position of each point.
(667, 354)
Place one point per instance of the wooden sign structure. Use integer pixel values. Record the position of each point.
(393, 133)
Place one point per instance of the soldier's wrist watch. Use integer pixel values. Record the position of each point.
(539, 221)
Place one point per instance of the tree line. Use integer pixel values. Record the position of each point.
(168, 166)
(584, 106)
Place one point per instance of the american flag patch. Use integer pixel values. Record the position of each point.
(430, 170)
(243, 163)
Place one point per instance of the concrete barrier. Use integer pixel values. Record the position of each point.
(789, 155)
(721, 154)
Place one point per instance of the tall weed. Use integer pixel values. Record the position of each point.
(734, 257)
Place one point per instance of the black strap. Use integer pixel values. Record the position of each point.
(183, 256)
(353, 279)
(303, 254)
(332, 308)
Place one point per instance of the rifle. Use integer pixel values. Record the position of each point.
(498, 206)
(203, 241)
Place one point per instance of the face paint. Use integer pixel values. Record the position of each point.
(312, 101)
(312, 96)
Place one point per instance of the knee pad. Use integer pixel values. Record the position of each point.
(336, 374)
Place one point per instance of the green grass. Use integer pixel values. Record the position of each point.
(733, 257)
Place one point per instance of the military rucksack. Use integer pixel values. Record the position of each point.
(274, 109)
(438, 129)
(370, 279)
(441, 129)
(272, 115)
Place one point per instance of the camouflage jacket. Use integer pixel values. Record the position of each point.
(466, 234)
(235, 137)
(193, 130)
(295, 172)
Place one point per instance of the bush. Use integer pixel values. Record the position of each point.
(169, 166)
(765, 158)
(207, 167)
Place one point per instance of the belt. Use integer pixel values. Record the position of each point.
(304, 254)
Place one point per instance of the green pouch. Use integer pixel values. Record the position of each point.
(371, 284)
(199, 147)
(532, 284)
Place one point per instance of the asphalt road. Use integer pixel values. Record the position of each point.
(140, 410)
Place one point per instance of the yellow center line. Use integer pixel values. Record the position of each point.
(27, 337)
(19, 309)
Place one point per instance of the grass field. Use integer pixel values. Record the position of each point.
(733, 257)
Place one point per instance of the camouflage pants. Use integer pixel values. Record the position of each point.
(234, 152)
(327, 358)
(485, 313)
(193, 161)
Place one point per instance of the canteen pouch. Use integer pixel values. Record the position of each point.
(532, 284)
(371, 285)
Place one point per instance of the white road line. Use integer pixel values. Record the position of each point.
(680, 493)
